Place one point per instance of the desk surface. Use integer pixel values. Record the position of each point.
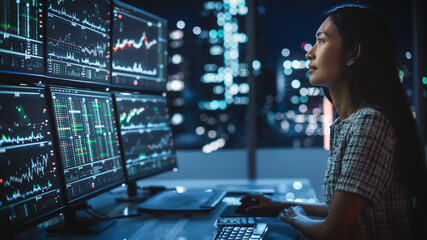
(179, 227)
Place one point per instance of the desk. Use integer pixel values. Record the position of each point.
(169, 227)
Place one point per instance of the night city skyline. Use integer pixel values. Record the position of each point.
(284, 32)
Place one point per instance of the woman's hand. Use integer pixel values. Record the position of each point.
(294, 215)
(265, 207)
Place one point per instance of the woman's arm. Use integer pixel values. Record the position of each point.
(315, 209)
(345, 208)
(311, 209)
(269, 207)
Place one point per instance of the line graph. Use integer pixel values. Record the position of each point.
(76, 51)
(69, 56)
(162, 143)
(24, 118)
(99, 50)
(127, 117)
(152, 149)
(19, 140)
(93, 14)
(29, 183)
(138, 52)
(94, 64)
(36, 168)
(36, 189)
(143, 41)
(27, 171)
(136, 68)
(148, 144)
(66, 40)
(140, 151)
(64, 13)
(142, 112)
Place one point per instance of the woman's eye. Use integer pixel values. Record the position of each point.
(320, 40)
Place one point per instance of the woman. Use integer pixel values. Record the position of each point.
(375, 180)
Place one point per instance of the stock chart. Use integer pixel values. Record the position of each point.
(146, 133)
(143, 113)
(88, 140)
(138, 49)
(22, 36)
(78, 40)
(29, 180)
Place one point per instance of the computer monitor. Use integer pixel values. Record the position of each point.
(29, 176)
(88, 141)
(88, 145)
(22, 36)
(146, 136)
(139, 48)
(78, 40)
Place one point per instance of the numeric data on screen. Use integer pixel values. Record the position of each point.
(22, 36)
(88, 140)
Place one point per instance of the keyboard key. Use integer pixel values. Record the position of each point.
(239, 221)
(260, 229)
(254, 232)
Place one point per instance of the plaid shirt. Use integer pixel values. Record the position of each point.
(363, 160)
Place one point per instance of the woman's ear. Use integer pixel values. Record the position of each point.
(352, 58)
(351, 61)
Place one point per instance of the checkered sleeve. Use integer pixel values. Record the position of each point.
(367, 162)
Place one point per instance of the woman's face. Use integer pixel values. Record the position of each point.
(326, 58)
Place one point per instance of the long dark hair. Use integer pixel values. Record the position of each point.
(374, 82)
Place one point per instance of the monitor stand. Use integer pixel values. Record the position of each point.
(78, 224)
(133, 195)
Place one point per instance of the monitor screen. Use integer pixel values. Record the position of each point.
(146, 134)
(22, 36)
(88, 141)
(139, 49)
(78, 40)
(29, 180)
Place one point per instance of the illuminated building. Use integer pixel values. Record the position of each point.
(213, 83)
(294, 115)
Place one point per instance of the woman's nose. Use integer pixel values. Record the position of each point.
(309, 55)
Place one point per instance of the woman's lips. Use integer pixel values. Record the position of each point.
(311, 68)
